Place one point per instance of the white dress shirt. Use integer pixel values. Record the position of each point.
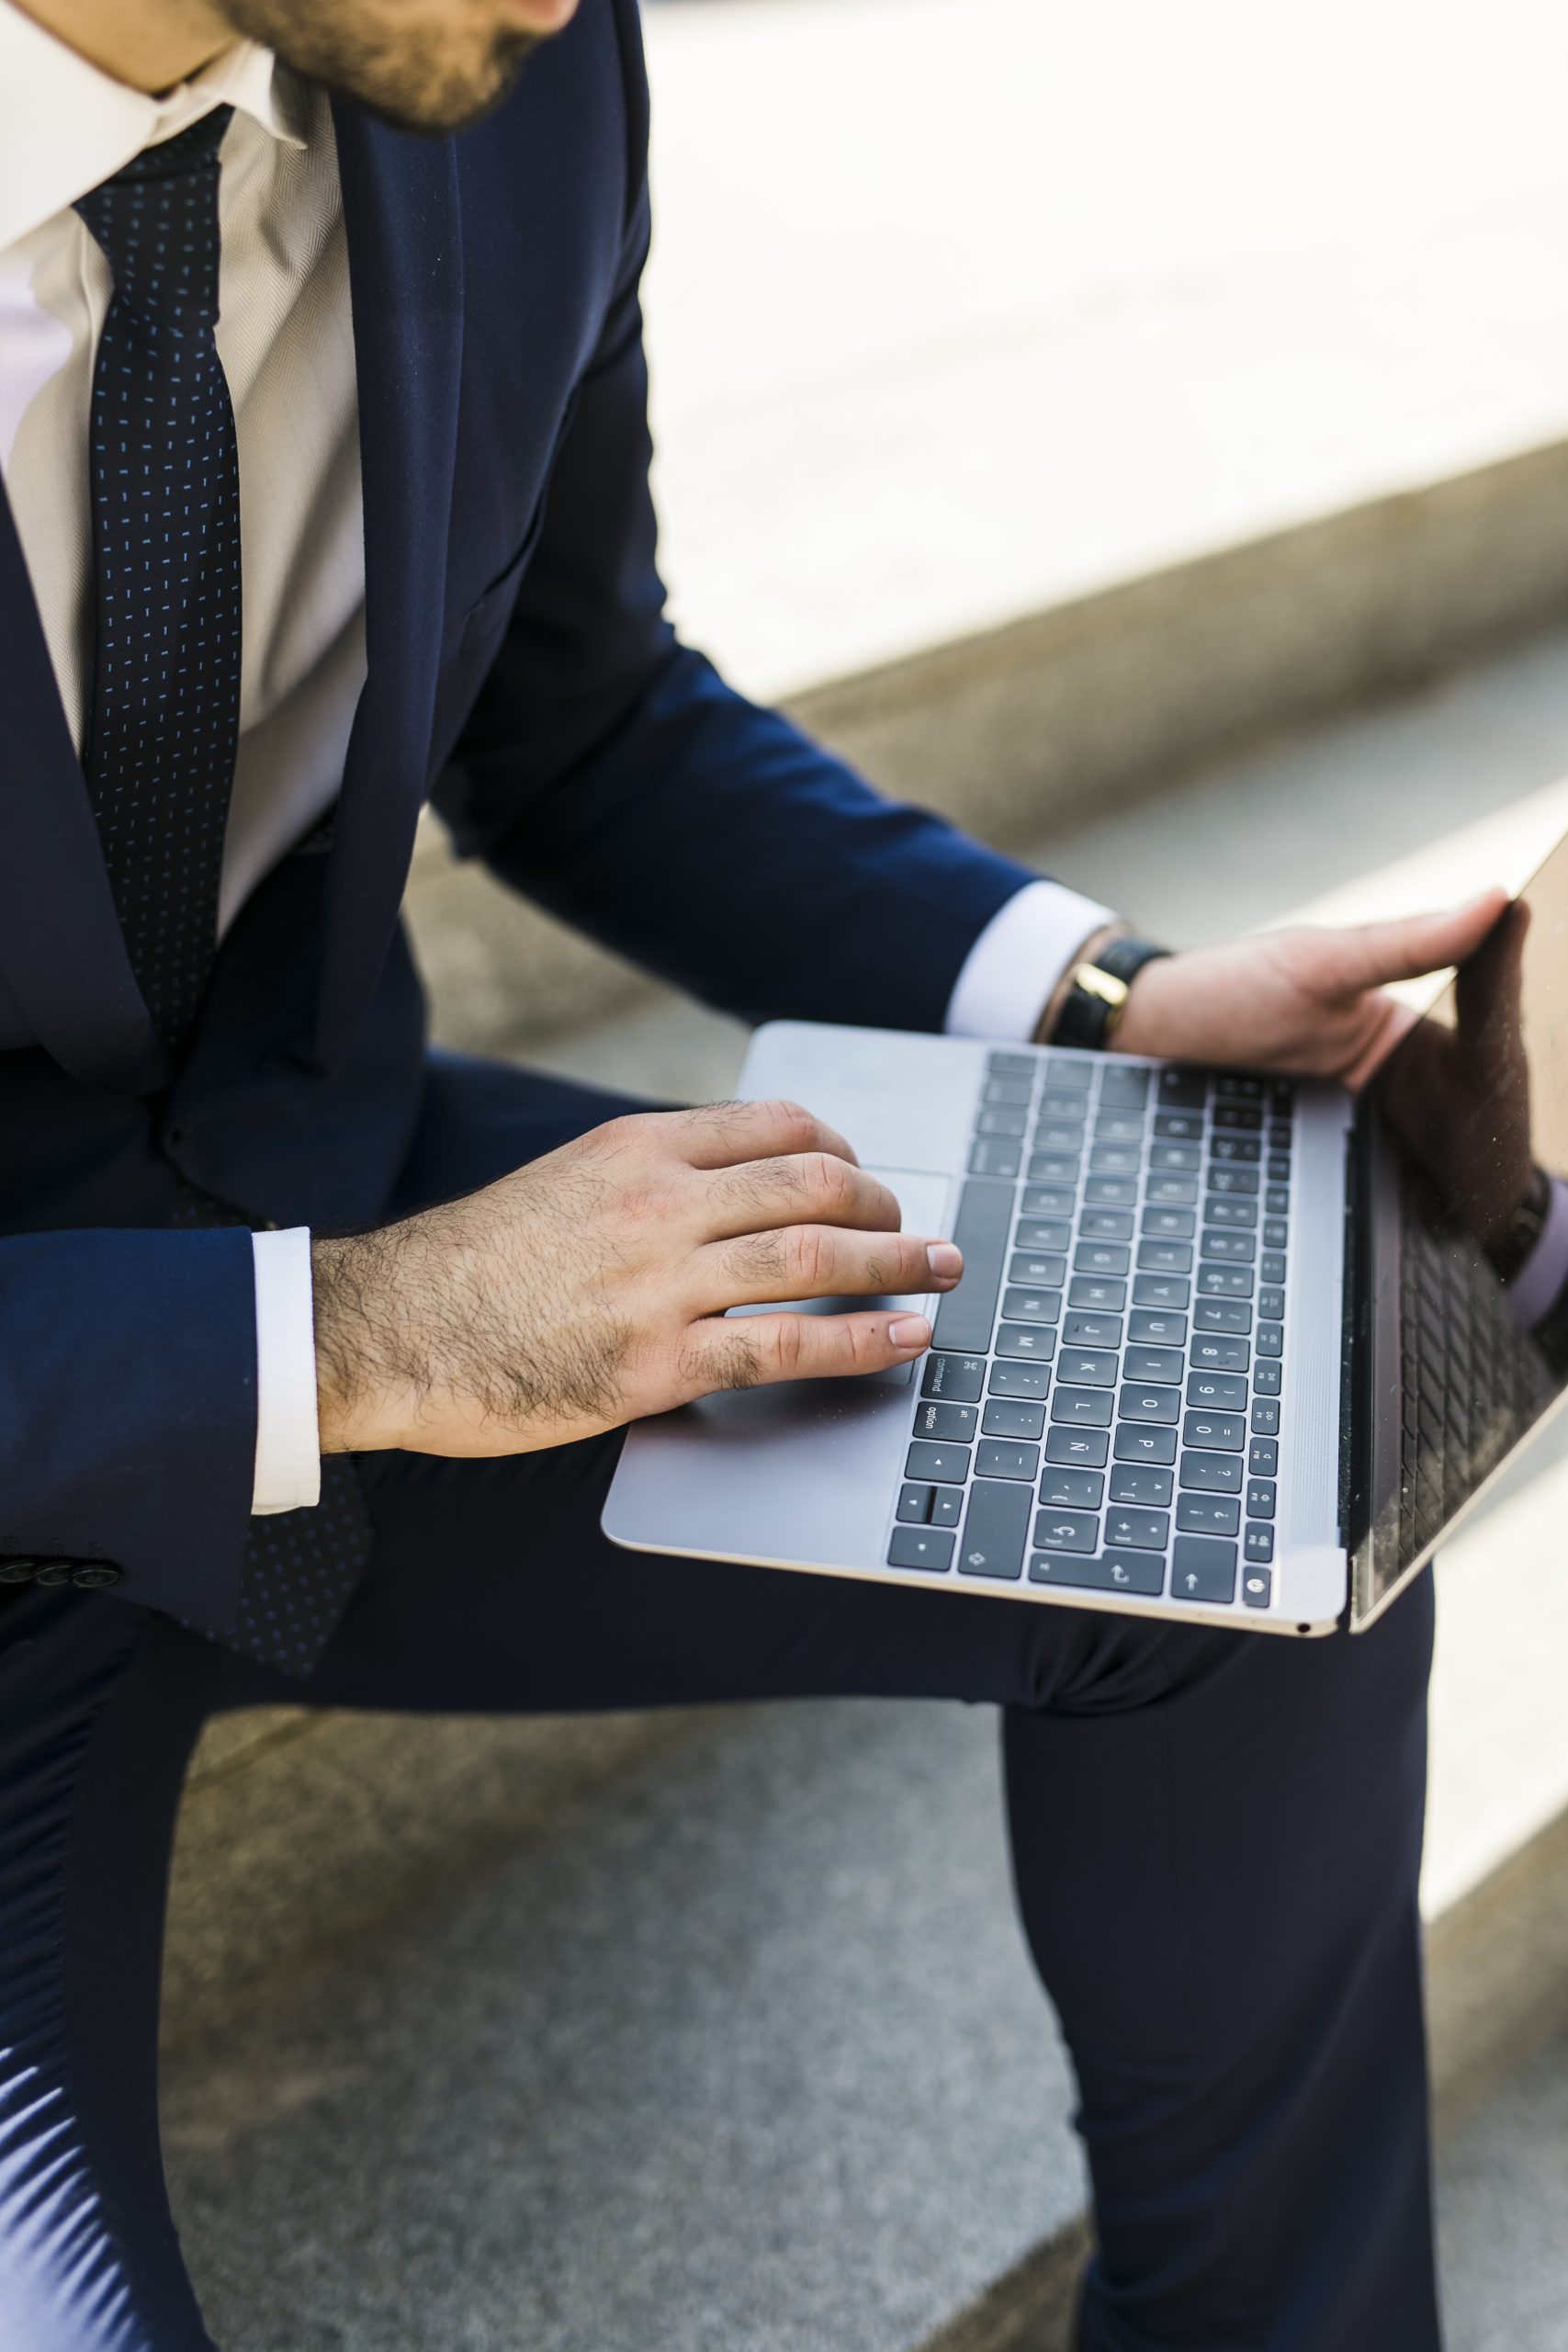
(285, 337)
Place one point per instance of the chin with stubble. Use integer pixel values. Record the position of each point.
(423, 64)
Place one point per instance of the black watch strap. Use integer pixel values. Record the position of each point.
(1098, 996)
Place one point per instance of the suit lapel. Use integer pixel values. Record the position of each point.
(401, 211)
(61, 944)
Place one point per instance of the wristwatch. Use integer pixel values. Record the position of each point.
(1097, 998)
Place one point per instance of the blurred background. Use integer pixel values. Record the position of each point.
(1144, 433)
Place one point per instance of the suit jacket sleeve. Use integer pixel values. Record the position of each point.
(127, 1409)
(609, 773)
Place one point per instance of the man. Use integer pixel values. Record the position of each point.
(322, 419)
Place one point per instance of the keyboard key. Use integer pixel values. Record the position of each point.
(947, 1502)
(1153, 1363)
(1258, 1543)
(1110, 1191)
(1282, 1095)
(1139, 1572)
(1100, 1257)
(1137, 1441)
(1224, 1211)
(1208, 1514)
(1171, 1191)
(959, 1379)
(1142, 1401)
(1276, 1233)
(1211, 1474)
(1072, 1489)
(1223, 1392)
(1222, 1315)
(1106, 1224)
(1162, 1290)
(1270, 1305)
(915, 1504)
(920, 1547)
(1239, 1115)
(1088, 1409)
(1220, 1353)
(1078, 1449)
(1169, 1225)
(946, 1421)
(1157, 1329)
(1117, 1129)
(1181, 1089)
(1060, 1072)
(1013, 1417)
(1182, 1157)
(1178, 1126)
(1125, 1086)
(1237, 1151)
(1276, 1201)
(1045, 1200)
(1019, 1379)
(1065, 1531)
(1225, 1281)
(1164, 1257)
(1052, 1167)
(1023, 1305)
(1058, 1135)
(1044, 1233)
(1141, 1531)
(1003, 1065)
(995, 1530)
(1271, 1266)
(1087, 1368)
(1136, 1482)
(1063, 1103)
(943, 1465)
(965, 1316)
(1013, 1090)
(998, 1458)
(1258, 1587)
(1201, 1569)
(1260, 1495)
(1266, 1416)
(1271, 1339)
(1281, 1134)
(1114, 1159)
(1239, 1086)
(1026, 1341)
(1011, 1123)
(1095, 1292)
(1215, 1433)
(1227, 1248)
(1038, 1269)
(1278, 1168)
(1092, 1331)
(1233, 1183)
(993, 1156)
(1265, 1379)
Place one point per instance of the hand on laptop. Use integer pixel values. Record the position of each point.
(589, 1288)
(1310, 1002)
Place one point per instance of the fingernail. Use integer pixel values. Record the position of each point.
(910, 1333)
(946, 1260)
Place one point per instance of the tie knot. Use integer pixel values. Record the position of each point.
(156, 221)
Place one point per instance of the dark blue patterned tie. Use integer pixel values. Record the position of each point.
(165, 500)
(165, 719)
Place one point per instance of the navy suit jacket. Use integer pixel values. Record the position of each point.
(522, 672)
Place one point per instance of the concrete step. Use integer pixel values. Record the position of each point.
(717, 2031)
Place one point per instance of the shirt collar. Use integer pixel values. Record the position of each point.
(65, 125)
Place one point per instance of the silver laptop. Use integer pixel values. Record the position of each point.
(1227, 1347)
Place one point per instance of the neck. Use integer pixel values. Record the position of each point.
(152, 44)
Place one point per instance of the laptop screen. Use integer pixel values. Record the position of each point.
(1469, 1231)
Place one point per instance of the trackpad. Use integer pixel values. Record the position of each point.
(923, 1206)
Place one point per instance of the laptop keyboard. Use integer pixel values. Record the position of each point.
(1100, 1408)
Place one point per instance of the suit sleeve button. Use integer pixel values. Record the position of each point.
(55, 1571)
(18, 1571)
(93, 1574)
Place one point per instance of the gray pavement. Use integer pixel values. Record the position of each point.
(740, 2049)
(1503, 2199)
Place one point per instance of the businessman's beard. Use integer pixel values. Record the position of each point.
(422, 64)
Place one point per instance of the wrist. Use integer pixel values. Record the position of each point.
(355, 1402)
(1145, 1026)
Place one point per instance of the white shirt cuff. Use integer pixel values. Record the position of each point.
(1535, 1288)
(288, 1449)
(1012, 970)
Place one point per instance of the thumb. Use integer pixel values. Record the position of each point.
(1374, 954)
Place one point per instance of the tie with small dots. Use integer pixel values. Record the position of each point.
(166, 721)
(165, 501)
